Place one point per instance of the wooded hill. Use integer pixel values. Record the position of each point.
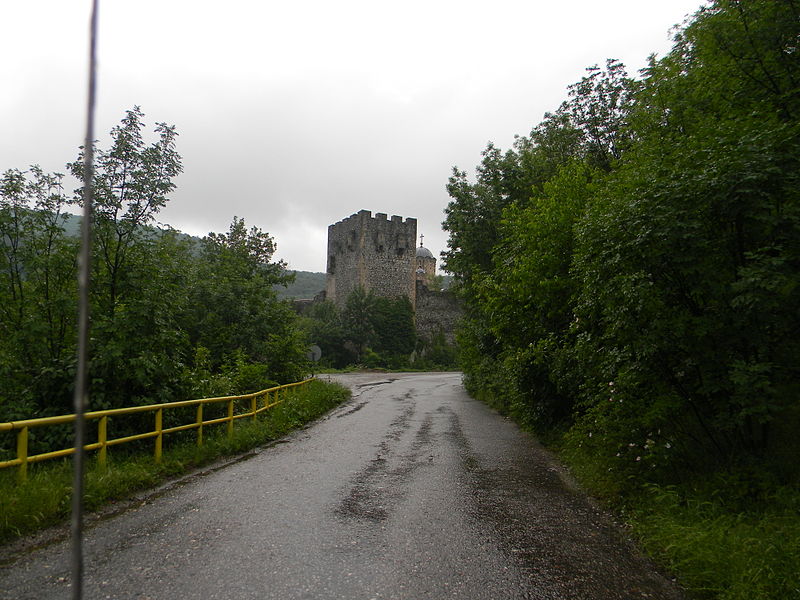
(305, 285)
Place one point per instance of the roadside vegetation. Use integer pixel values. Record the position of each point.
(172, 318)
(631, 275)
(45, 498)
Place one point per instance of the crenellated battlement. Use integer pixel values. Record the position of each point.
(376, 253)
(380, 254)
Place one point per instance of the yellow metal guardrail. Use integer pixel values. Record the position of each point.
(271, 397)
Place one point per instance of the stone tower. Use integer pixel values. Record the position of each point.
(377, 254)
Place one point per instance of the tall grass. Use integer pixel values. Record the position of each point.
(722, 549)
(733, 534)
(45, 498)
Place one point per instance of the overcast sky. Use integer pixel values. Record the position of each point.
(294, 115)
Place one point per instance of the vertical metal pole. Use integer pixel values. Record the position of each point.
(159, 432)
(81, 398)
(22, 454)
(230, 418)
(199, 424)
(102, 438)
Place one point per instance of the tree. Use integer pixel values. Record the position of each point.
(646, 289)
(235, 308)
(598, 107)
(393, 323)
(358, 316)
(37, 295)
(370, 329)
(131, 185)
(688, 264)
(138, 274)
(325, 328)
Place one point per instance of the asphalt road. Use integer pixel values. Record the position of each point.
(411, 490)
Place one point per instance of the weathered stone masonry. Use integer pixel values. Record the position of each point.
(374, 253)
(437, 311)
(380, 255)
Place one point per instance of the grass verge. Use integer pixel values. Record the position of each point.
(731, 535)
(45, 498)
(722, 546)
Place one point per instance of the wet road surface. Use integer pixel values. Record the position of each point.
(410, 490)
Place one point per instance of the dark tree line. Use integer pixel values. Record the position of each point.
(375, 332)
(171, 318)
(631, 268)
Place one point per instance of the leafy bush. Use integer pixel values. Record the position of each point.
(631, 276)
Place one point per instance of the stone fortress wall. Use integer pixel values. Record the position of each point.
(380, 254)
(436, 312)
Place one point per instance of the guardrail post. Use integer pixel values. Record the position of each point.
(230, 418)
(22, 454)
(102, 437)
(199, 424)
(159, 433)
(253, 402)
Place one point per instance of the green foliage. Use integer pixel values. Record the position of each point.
(247, 377)
(380, 329)
(131, 183)
(631, 273)
(725, 553)
(646, 287)
(370, 330)
(37, 293)
(688, 262)
(394, 327)
(436, 354)
(170, 320)
(358, 317)
(233, 305)
(138, 355)
(324, 327)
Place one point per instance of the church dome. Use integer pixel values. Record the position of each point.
(423, 253)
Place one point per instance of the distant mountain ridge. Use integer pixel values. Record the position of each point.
(307, 284)
(72, 228)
